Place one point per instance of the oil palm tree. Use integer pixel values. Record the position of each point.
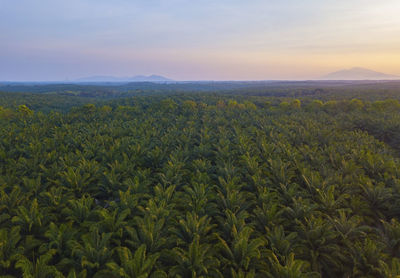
(113, 222)
(318, 245)
(188, 228)
(39, 268)
(93, 251)
(80, 211)
(290, 268)
(10, 248)
(137, 265)
(31, 220)
(148, 231)
(197, 261)
(242, 253)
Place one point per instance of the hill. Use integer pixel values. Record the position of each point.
(137, 78)
(358, 73)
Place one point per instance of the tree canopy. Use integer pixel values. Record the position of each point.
(199, 185)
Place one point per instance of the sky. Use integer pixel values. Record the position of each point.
(49, 40)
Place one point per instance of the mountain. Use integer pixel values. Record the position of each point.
(137, 78)
(150, 78)
(358, 74)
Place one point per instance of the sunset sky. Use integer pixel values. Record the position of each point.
(196, 40)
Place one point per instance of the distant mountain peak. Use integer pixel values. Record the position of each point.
(137, 78)
(358, 73)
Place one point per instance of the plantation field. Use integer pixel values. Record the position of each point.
(200, 184)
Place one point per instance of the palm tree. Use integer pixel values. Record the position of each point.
(368, 258)
(93, 250)
(173, 171)
(280, 173)
(33, 186)
(77, 180)
(282, 244)
(242, 253)
(197, 197)
(230, 224)
(230, 197)
(318, 244)
(300, 209)
(12, 200)
(391, 270)
(196, 262)
(138, 265)
(39, 268)
(55, 198)
(291, 268)
(59, 237)
(31, 220)
(378, 197)
(113, 222)
(80, 211)
(349, 228)
(10, 248)
(267, 212)
(148, 231)
(391, 237)
(188, 228)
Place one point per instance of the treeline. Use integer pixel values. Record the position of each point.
(45, 103)
(323, 90)
(201, 186)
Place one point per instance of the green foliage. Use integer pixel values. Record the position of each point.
(316, 105)
(39, 268)
(296, 104)
(136, 265)
(356, 104)
(200, 185)
(284, 105)
(25, 111)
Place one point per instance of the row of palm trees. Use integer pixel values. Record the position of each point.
(162, 187)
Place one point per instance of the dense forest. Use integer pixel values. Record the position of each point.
(324, 90)
(200, 184)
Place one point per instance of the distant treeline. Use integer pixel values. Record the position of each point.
(316, 89)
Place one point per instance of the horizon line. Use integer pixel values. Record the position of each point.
(192, 80)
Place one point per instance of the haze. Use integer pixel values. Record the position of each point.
(196, 40)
